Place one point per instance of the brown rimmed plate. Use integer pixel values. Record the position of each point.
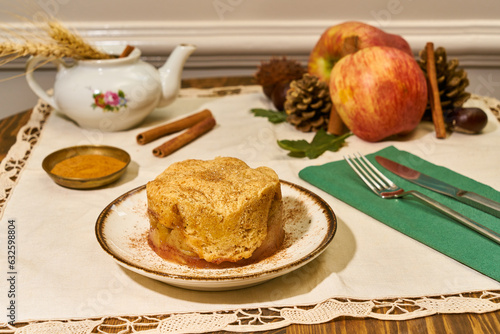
(122, 228)
(85, 183)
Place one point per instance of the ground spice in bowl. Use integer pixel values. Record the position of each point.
(87, 166)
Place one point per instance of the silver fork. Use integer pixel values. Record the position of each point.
(385, 188)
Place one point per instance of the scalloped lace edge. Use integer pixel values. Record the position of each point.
(269, 318)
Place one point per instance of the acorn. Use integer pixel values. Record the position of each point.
(466, 120)
(278, 96)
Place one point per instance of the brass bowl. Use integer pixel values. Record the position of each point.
(85, 183)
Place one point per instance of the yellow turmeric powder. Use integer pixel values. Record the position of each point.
(87, 166)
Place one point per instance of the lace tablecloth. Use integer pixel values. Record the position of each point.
(64, 281)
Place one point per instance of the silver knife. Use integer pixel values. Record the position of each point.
(467, 197)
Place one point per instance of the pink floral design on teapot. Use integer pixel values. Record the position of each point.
(109, 101)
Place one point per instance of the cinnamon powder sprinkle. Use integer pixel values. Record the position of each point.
(87, 166)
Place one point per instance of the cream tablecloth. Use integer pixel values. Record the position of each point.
(63, 274)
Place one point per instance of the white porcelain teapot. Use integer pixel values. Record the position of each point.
(112, 94)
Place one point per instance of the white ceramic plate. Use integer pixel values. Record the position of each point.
(123, 226)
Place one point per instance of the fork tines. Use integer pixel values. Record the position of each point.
(368, 172)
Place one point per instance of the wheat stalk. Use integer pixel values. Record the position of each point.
(34, 49)
(73, 42)
(59, 43)
(11, 50)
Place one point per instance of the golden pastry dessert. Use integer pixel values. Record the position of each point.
(215, 213)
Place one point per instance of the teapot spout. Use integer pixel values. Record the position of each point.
(171, 73)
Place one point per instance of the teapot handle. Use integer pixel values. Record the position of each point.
(31, 66)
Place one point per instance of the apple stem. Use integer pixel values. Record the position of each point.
(434, 97)
(350, 45)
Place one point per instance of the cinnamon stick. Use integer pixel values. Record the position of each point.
(185, 138)
(128, 50)
(434, 98)
(172, 127)
(335, 124)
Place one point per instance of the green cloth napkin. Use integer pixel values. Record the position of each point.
(413, 218)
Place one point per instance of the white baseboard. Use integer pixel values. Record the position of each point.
(476, 43)
(243, 44)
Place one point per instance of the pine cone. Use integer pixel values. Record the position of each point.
(452, 81)
(308, 104)
(277, 70)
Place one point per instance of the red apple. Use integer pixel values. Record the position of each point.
(345, 38)
(378, 92)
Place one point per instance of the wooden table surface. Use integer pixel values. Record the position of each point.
(448, 323)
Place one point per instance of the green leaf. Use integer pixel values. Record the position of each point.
(272, 115)
(298, 146)
(321, 143)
